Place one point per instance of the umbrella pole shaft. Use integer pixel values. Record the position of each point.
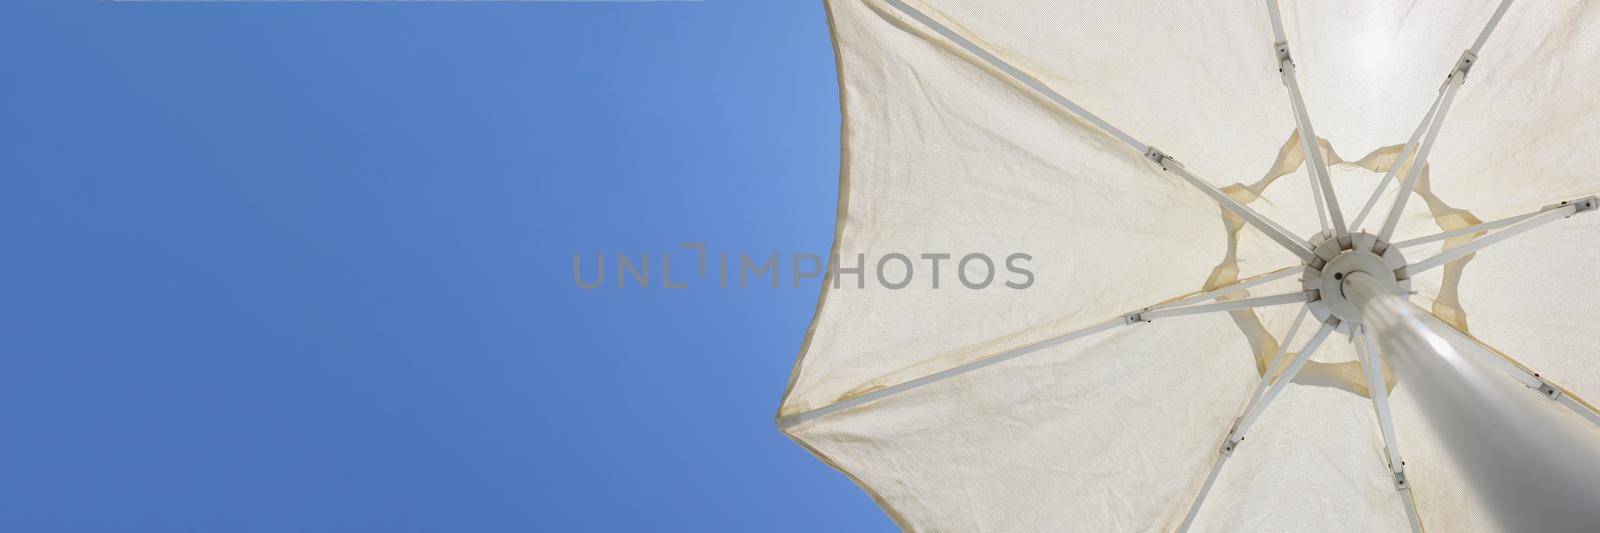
(1525, 464)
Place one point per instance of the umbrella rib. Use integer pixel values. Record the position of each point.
(1405, 153)
(1299, 247)
(1229, 305)
(1421, 161)
(1124, 320)
(1272, 229)
(1457, 76)
(792, 420)
(1205, 488)
(1533, 380)
(1280, 384)
(1283, 349)
(1240, 428)
(1321, 186)
(1494, 20)
(1562, 210)
(1377, 389)
(1226, 290)
(1477, 228)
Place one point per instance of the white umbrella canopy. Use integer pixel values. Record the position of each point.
(1092, 400)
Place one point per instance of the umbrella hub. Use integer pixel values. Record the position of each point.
(1335, 261)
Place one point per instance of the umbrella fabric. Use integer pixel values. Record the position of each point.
(944, 153)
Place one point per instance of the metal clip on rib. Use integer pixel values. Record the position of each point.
(1545, 388)
(1230, 443)
(1463, 65)
(1161, 158)
(1579, 206)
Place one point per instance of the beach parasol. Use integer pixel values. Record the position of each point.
(1340, 229)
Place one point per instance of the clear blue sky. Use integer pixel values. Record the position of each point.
(307, 267)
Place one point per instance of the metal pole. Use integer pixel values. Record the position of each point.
(1530, 470)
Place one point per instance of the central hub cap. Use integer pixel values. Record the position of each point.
(1335, 261)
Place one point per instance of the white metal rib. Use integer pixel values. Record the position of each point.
(1372, 367)
(1283, 381)
(1261, 386)
(1486, 240)
(1295, 244)
(791, 420)
(1237, 434)
(885, 392)
(1277, 21)
(1486, 226)
(1283, 349)
(1504, 363)
(1399, 206)
(1200, 497)
(1494, 20)
(1246, 283)
(1405, 153)
(1327, 199)
(1497, 360)
(1277, 233)
(1456, 78)
(1577, 406)
(1306, 151)
(1409, 501)
(1230, 305)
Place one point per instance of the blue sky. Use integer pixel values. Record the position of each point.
(307, 267)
